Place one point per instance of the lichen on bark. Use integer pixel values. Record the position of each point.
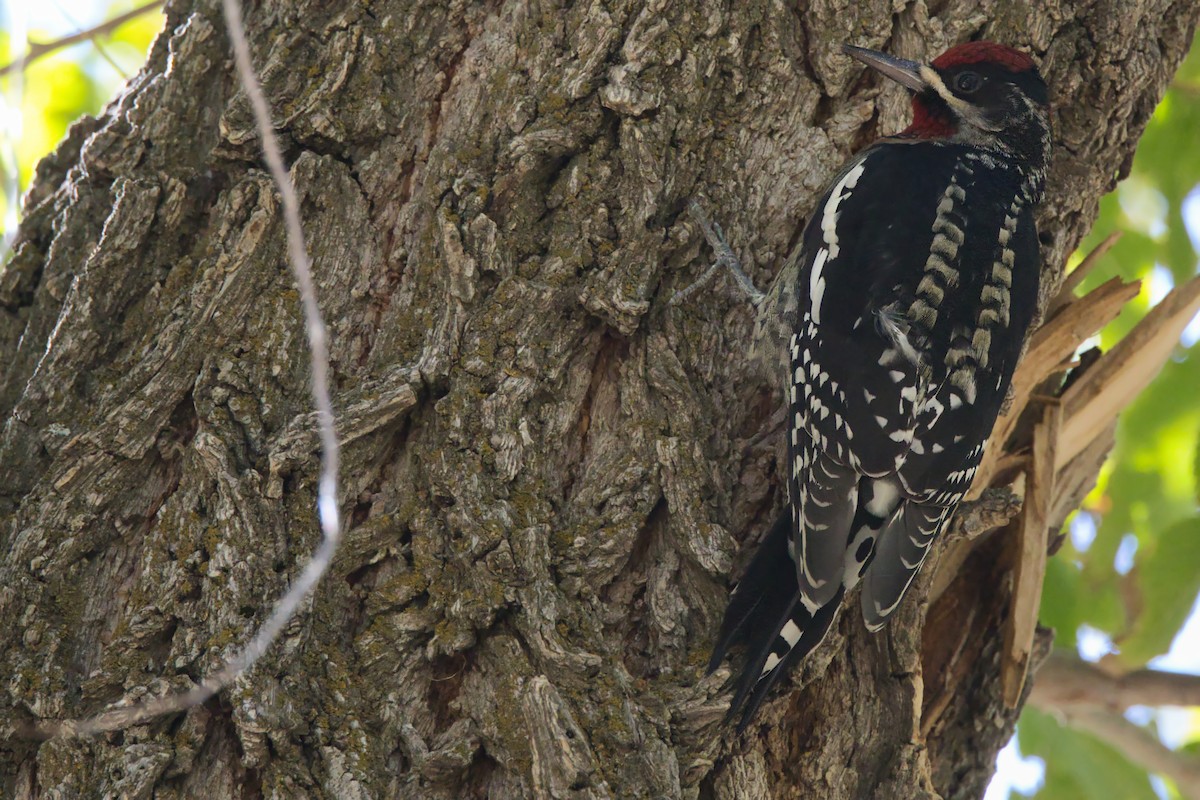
(549, 472)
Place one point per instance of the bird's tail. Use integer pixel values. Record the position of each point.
(765, 612)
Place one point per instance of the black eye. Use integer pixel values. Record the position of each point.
(967, 82)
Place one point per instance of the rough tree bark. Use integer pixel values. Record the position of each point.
(549, 472)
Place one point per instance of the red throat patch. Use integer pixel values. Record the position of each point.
(929, 121)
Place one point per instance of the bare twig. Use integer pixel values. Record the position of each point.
(1091, 699)
(100, 49)
(1066, 291)
(993, 509)
(40, 49)
(725, 257)
(327, 502)
(1049, 349)
(1066, 680)
(1094, 401)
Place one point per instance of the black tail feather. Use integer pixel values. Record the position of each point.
(813, 627)
(765, 600)
(768, 585)
(753, 682)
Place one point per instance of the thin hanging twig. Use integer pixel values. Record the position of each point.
(327, 495)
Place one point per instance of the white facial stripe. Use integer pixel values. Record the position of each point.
(961, 108)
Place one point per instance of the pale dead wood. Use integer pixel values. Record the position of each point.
(1066, 291)
(1094, 401)
(1084, 422)
(1030, 547)
(1075, 436)
(1049, 349)
(1078, 476)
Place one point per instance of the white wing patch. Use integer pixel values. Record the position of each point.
(816, 285)
(830, 212)
(791, 633)
(829, 233)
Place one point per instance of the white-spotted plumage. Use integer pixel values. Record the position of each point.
(899, 316)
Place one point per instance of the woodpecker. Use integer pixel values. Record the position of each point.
(895, 327)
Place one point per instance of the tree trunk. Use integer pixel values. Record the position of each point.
(549, 473)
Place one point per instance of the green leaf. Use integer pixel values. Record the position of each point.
(1079, 766)
(1196, 470)
(1151, 486)
(57, 91)
(1060, 609)
(139, 32)
(1168, 581)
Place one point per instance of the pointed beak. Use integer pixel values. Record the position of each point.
(901, 70)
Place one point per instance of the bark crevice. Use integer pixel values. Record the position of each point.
(549, 471)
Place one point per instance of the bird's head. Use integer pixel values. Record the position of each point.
(980, 93)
